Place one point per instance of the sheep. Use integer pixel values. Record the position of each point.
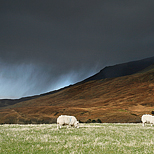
(147, 118)
(67, 120)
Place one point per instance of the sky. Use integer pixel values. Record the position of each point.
(49, 44)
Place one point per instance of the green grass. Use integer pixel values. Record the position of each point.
(88, 139)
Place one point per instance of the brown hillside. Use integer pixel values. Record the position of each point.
(122, 99)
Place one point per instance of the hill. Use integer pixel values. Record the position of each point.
(107, 72)
(120, 99)
(122, 69)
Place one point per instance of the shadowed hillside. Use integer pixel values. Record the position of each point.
(122, 69)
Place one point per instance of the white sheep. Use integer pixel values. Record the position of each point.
(147, 118)
(67, 120)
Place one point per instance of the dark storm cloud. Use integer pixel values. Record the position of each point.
(56, 43)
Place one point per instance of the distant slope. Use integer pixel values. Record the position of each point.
(8, 102)
(122, 69)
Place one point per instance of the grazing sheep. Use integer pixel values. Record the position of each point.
(147, 118)
(67, 120)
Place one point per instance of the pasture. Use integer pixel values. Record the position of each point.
(96, 138)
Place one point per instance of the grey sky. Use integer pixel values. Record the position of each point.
(48, 44)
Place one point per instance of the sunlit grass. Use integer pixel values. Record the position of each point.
(89, 138)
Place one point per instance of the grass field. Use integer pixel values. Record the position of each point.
(88, 139)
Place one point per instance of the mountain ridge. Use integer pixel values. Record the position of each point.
(122, 69)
